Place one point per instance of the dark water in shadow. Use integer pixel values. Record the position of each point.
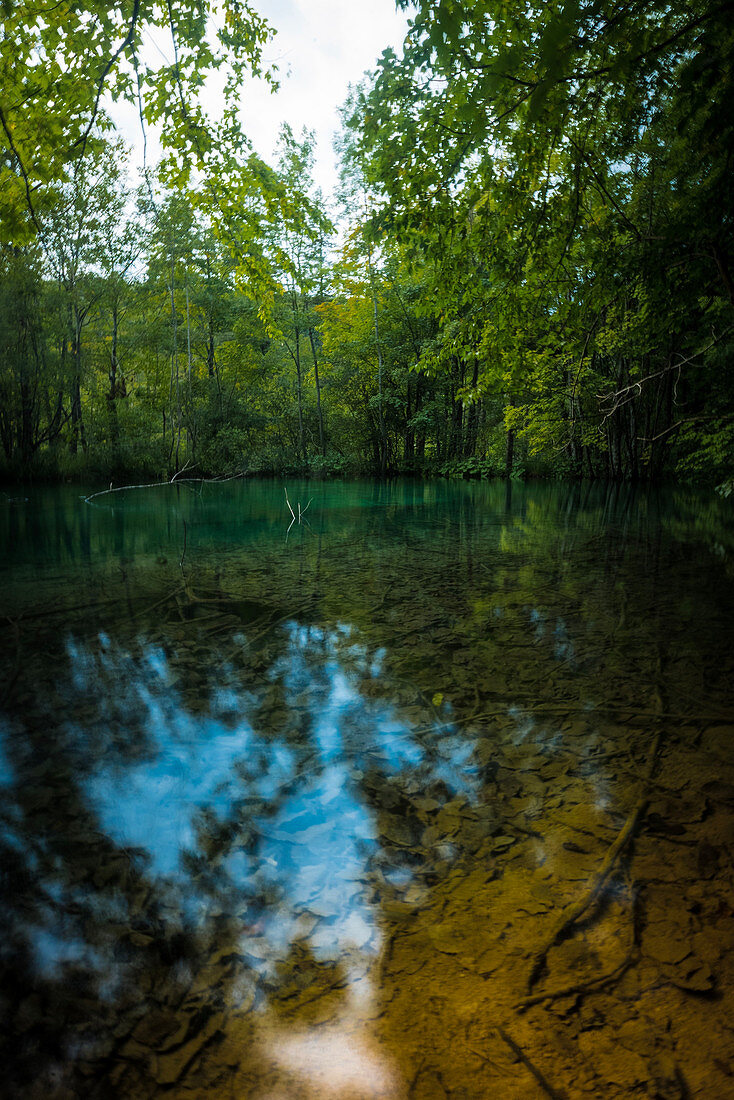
(297, 812)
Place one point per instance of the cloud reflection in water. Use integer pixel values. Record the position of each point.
(267, 809)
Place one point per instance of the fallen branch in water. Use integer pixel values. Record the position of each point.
(177, 479)
(522, 1057)
(145, 485)
(565, 709)
(124, 488)
(593, 985)
(282, 619)
(158, 603)
(574, 912)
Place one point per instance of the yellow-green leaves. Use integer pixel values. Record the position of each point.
(57, 65)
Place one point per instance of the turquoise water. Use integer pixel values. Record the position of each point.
(292, 808)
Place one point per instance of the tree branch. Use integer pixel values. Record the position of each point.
(23, 172)
(82, 140)
(621, 397)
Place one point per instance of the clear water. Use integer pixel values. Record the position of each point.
(294, 810)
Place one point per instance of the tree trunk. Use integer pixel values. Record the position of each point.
(299, 385)
(383, 440)
(112, 395)
(510, 447)
(175, 380)
(380, 367)
(210, 347)
(190, 420)
(409, 436)
(322, 442)
(472, 417)
(77, 421)
(509, 452)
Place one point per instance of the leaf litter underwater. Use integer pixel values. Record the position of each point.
(434, 808)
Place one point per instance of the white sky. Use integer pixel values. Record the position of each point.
(321, 46)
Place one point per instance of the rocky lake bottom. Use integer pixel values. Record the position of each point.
(433, 799)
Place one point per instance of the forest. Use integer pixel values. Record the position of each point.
(526, 271)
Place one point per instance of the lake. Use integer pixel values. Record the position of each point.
(428, 794)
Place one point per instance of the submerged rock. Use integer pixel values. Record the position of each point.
(663, 943)
(614, 1064)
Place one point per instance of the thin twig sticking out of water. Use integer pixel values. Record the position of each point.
(285, 490)
(301, 511)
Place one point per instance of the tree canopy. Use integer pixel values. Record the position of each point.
(564, 172)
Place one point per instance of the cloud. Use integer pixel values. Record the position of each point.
(321, 46)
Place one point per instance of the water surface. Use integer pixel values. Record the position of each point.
(295, 810)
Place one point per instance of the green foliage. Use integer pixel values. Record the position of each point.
(225, 451)
(55, 66)
(535, 271)
(562, 179)
(322, 467)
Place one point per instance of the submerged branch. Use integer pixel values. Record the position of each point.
(593, 985)
(537, 1074)
(573, 913)
(566, 709)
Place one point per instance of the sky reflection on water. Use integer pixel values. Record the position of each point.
(289, 818)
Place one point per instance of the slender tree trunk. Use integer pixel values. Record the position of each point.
(609, 454)
(210, 360)
(175, 380)
(296, 357)
(510, 445)
(420, 438)
(380, 366)
(77, 421)
(299, 385)
(188, 334)
(573, 446)
(322, 442)
(191, 426)
(618, 451)
(472, 419)
(509, 452)
(112, 395)
(383, 440)
(409, 437)
(586, 453)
